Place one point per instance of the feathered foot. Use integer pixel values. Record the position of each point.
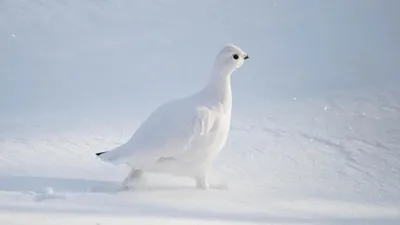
(134, 180)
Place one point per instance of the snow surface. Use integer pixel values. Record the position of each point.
(315, 135)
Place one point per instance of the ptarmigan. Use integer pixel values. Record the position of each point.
(183, 137)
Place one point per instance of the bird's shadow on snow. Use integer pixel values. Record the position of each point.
(37, 184)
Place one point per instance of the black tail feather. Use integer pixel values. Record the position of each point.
(99, 153)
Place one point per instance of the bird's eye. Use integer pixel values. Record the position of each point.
(235, 56)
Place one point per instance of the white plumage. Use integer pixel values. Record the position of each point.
(184, 136)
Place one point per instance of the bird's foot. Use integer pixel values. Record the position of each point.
(202, 183)
(135, 180)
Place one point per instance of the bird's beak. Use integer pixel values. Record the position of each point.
(246, 57)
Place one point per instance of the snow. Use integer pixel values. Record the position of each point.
(315, 133)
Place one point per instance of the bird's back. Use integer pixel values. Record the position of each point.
(182, 128)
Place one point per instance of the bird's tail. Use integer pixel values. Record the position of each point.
(100, 153)
(113, 156)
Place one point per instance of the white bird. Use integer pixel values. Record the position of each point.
(184, 137)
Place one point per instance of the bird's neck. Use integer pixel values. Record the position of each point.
(219, 85)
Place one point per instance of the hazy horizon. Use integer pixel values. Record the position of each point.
(63, 55)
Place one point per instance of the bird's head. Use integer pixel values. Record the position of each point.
(230, 58)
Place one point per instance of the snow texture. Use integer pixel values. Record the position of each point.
(315, 130)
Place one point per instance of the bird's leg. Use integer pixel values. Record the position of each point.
(201, 182)
(135, 177)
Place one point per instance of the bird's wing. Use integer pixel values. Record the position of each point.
(167, 133)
